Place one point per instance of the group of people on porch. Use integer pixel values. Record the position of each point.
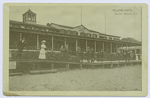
(89, 55)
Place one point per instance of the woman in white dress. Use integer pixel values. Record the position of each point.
(42, 54)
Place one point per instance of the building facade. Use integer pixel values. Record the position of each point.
(57, 35)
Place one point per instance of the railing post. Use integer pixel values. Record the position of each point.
(52, 42)
(20, 36)
(76, 44)
(86, 45)
(52, 65)
(111, 65)
(102, 65)
(67, 66)
(80, 66)
(103, 46)
(37, 42)
(110, 47)
(92, 66)
(95, 46)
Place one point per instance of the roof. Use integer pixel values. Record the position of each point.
(130, 40)
(84, 27)
(74, 27)
(18, 22)
(131, 47)
(62, 25)
(29, 11)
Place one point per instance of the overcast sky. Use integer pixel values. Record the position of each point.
(119, 20)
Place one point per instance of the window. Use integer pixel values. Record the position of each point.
(110, 38)
(88, 35)
(82, 34)
(34, 18)
(74, 33)
(101, 37)
(31, 40)
(22, 27)
(14, 38)
(29, 16)
(61, 31)
(36, 28)
(27, 27)
(47, 30)
(68, 32)
(26, 18)
(42, 29)
(94, 35)
(10, 25)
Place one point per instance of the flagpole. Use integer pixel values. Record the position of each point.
(81, 15)
(105, 22)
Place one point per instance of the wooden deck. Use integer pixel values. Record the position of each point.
(38, 66)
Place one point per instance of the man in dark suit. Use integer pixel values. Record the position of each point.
(21, 46)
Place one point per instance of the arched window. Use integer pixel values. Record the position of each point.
(68, 31)
(29, 16)
(110, 38)
(34, 18)
(82, 34)
(88, 35)
(74, 33)
(61, 31)
(94, 35)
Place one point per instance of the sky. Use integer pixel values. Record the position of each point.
(123, 21)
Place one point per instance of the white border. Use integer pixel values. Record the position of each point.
(58, 1)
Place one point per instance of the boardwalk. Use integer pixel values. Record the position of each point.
(45, 66)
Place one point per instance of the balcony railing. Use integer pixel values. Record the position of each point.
(32, 53)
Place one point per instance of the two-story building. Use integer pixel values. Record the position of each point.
(57, 35)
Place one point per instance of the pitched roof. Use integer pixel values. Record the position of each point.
(38, 25)
(62, 25)
(75, 27)
(131, 40)
(29, 11)
(84, 27)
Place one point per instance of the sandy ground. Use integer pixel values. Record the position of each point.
(125, 78)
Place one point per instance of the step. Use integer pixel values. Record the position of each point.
(15, 74)
(42, 71)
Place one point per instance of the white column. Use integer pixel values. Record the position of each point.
(20, 36)
(86, 45)
(103, 46)
(65, 42)
(116, 47)
(122, 48)
(95, 46)
(126, 46)
(38, 42)
(76, 44)
(52, 43)
(110, 47)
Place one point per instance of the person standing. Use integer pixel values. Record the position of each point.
(62, 52)
(21, 46)
(88, 54)
(102, 55)
(66, 53)
(92, 55)
(42, 54)
(79, 54)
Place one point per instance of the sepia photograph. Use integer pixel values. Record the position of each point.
(78, 47)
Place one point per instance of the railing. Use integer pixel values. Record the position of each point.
(32, 53)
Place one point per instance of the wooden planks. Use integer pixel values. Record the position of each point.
(33, 65)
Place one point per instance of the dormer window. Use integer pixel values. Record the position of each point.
(29, 17)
